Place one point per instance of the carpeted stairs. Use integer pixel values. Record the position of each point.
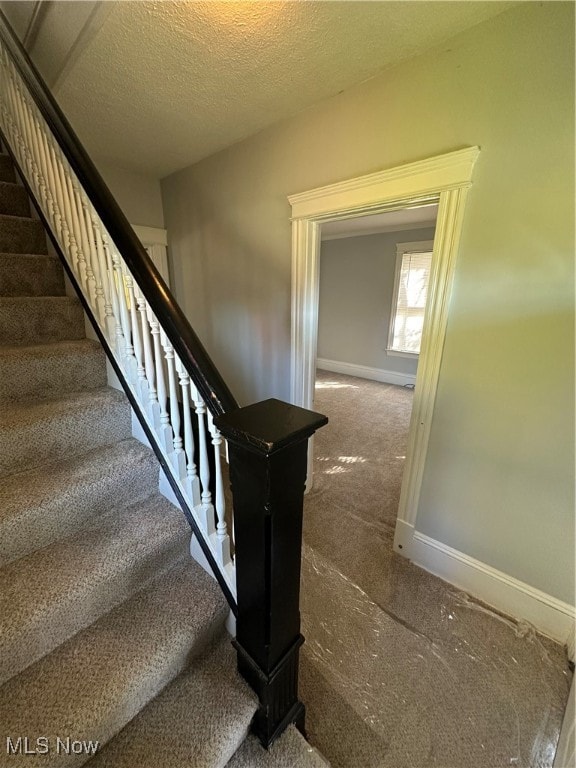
(109, 632)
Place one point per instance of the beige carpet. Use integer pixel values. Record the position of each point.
(399, 669)
(104, 619)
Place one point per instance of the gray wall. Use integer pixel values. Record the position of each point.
(139, 196)
(356, 292)
(499, 477)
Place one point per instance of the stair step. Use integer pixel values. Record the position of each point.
(31, 275)
(14, 199)
(40, 319)
(48, 596)
(94, 684)
(290, 751)
(7, 169)
(22, 235)
(47, 370)
(174, 731)
(33, 434)
(44, 505)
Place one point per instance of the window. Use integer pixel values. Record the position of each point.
(413, 263)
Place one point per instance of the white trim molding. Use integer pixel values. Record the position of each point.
(420, 179)
(365, 372)
(448, 229)
(444, 180)
(151, 235)
(155, 241)
(550, 616)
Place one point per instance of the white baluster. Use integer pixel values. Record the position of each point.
(32, 148)
(177, 456)
(127, 353)
(7, 106)
(64, 227)
(149, 395)
(205, 511)
(95, 279)
(34, 151)
(219, 500)
(4, 81)
(140, 381)
(94, 254)
(53, 207)
(85, 243)
(47, 199)
(192, 481)
(20, 135)
(163, 429)
(9, 111)
(108, 323)
(77, 246)
(24, 139)
(118, 343)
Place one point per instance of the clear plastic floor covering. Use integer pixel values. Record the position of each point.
(399, 669)
(384, 694)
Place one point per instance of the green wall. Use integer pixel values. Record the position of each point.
(499, 477)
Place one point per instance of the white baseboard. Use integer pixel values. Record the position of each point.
(364, 372)
(547, 614)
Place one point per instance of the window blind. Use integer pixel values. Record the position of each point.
(408, 320)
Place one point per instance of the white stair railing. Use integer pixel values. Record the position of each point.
(159, 383)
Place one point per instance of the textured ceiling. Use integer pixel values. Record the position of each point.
(163, 84)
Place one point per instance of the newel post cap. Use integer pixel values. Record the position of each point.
(269, 426)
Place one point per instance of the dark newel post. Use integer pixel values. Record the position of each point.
(268, 448)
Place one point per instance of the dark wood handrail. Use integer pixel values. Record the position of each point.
(190, 349)
(268, 444)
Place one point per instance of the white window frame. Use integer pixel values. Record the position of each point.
(421, 246)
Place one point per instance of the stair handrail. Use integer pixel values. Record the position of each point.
(177, 393)
(130, 306)
(207, 377)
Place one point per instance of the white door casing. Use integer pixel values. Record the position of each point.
(444, 179)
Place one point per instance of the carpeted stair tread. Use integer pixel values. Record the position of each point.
(173, 731)
(91, 686)
(31, 274)
(34, 433)
(7, 169)
(45, 371)
(40, 319)
(106, 626)
(43, 505)
(290, 751)
(49, 595)
(14, 199)
(19, 234)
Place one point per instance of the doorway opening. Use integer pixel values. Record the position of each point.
(373, 280)
(442, 181)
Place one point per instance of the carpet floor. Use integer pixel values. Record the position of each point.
(105, 622)
(400, 669)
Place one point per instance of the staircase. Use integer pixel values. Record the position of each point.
(109, 632)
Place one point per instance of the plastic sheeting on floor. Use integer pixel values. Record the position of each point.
(466, 688)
